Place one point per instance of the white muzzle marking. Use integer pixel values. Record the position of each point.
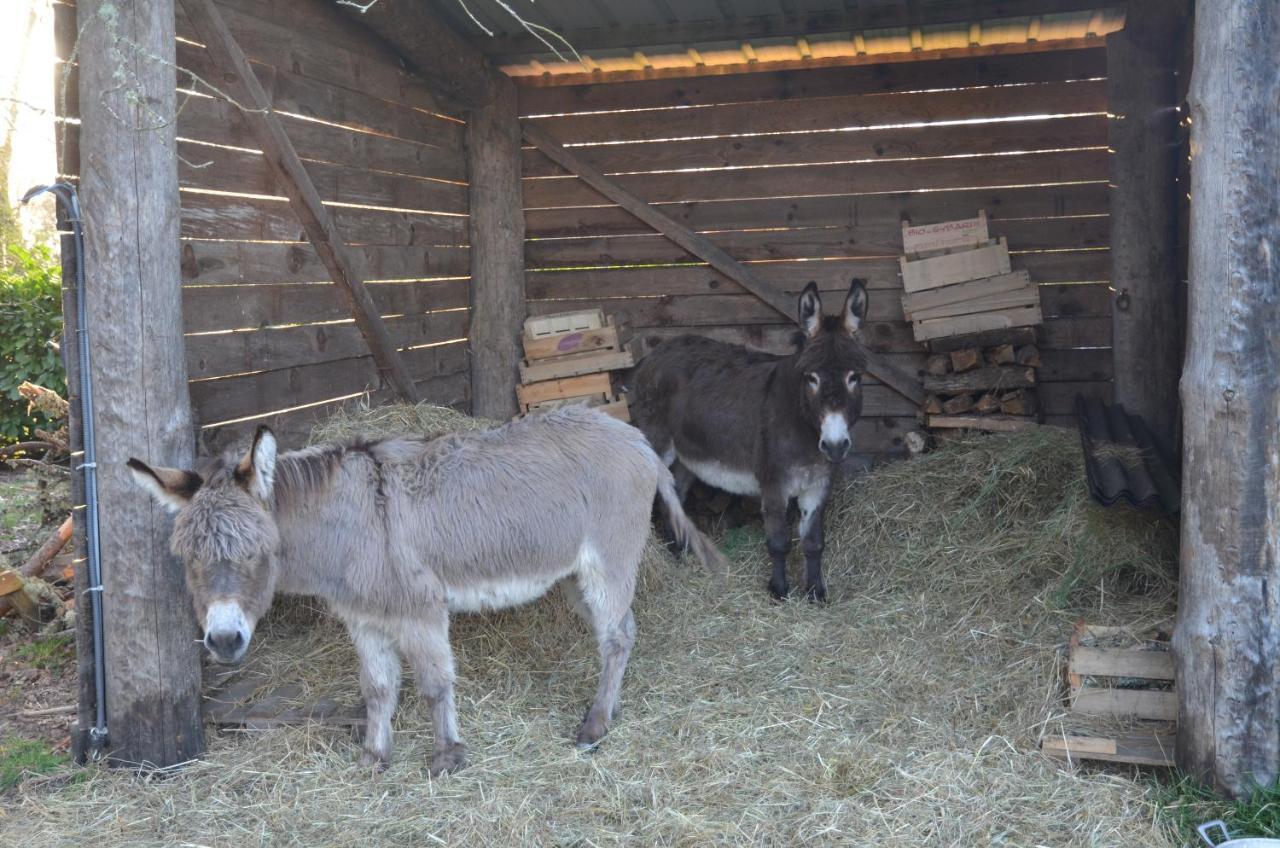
(835, 428)
(226, 631)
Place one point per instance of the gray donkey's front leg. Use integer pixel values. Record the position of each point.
(425, 642)
(380, 686)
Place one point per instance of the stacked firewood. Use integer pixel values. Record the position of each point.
(986, 385)
(976, 316)
(571, 357)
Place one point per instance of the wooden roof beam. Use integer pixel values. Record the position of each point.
(879, 366)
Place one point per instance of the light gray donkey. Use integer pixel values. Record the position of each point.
(397, 534)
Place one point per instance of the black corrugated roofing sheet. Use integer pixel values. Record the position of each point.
(1122, 459)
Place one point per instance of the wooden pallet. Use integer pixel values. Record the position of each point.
(252, 700)
(1110, 677)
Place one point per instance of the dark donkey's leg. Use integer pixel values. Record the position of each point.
(813, 507)
(778, 532)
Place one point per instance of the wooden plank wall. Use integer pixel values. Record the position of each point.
(808, 175)
(268, 338)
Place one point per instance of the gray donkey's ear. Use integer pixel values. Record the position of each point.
(809, 310)
(257, 470)
(172, 488)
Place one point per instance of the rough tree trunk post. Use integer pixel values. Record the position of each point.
(1146, 332)
(1227, 640)
(497, 254)
(129, 196)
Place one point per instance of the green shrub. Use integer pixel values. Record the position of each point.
(30, 317)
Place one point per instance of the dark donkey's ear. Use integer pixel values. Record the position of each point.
(810, 310)
(172, 488)
(257, 470)
(855, 307)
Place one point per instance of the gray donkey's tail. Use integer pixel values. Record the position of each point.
(687, 536)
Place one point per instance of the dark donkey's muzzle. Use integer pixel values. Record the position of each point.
(833, 440)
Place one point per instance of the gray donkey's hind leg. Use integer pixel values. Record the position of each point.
(425, 643)
(608, 609)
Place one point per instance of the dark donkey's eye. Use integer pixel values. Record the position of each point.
(851, 380)
(812, 381)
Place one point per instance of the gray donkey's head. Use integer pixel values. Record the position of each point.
(225, 534)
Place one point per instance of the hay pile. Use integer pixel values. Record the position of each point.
(905, 712)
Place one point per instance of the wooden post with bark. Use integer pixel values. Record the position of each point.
(1142, 133)
(129, 199)
(1227, 640)
(497, 254)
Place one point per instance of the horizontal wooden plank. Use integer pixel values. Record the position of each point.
(989, 260)
(253, 394)
(1059, 266)
(216, 216)
(1121, 662)
(823, 82)
(307, 97)
(293, 427)
(964, 292)
(835, 112)
(1028, 295)
(872, 239)
(983, 379)
(214, 308)
(1001, 205)
(979, 322)
(587, 384)
(270, 34)
(224, 169)
(1082, 300)
(223, 354)
(216, 263)
(991, 423)
(823, 180)
(1147, 749)
(895, 142)
(1139, 703)
(1073, 333)
(532, 371)
(218, 122)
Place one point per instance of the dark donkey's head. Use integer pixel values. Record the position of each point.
(225, 534)
(830, 364)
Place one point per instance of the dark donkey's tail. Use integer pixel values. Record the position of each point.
(687, 536)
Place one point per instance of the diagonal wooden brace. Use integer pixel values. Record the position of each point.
(896, 378)
(236, 77)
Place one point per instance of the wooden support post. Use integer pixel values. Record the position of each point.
(497, 254)
(1142, 133)
(1227, 640)
(881, 367)
(236, 77)
(129, 197)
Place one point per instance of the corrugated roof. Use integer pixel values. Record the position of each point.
(1122, 460)
(610, 36)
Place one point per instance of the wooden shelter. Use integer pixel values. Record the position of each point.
(294, 205)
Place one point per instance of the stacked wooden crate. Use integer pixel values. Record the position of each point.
(1122, 706)
(976, 315)
(570, 357)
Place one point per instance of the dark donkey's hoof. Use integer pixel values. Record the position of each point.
(593, 729)
(778, 591)
(816, 593)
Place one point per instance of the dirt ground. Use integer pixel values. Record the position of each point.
(37, 669)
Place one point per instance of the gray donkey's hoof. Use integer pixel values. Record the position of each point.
(449, 760)
(591, 732)
(373, 760)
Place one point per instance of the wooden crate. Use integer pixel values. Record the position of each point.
(988, 260)
(577, 342)
(573, 365)
(1109, 677)
(560, 323)
(1003, 319)
(946, 235)
(963, 293)
(615, 406)
(570, 387)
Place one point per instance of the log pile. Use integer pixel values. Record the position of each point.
(571, 357)
(976, 316)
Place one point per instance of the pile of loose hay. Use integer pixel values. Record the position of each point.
(905, 712)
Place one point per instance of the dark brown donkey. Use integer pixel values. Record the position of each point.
(752, 423)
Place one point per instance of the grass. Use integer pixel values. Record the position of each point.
(52, 652)
(20, 758)
(1186, 804)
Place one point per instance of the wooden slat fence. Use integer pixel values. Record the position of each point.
(807, 175)
(268, 337)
